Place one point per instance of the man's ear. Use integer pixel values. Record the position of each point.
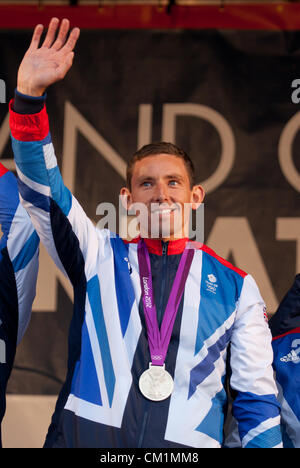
(126, 198)
(197, 197)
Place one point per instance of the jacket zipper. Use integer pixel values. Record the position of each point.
(141, 439)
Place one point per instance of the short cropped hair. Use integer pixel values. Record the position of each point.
(160, 147)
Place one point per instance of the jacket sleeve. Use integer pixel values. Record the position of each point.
(18, 257)
(255, 406)
(68, 234)
(285, 328)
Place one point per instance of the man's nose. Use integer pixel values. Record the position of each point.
(161, 193)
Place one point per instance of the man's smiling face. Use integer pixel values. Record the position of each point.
(161, 182)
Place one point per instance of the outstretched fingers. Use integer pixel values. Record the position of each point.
(50, 36)
(36, 36)
(71, 42)
(59, 42)
(62, 34)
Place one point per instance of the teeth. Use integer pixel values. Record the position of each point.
(163, 211)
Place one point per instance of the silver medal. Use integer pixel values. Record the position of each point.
(156, 383)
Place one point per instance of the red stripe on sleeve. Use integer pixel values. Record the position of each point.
(29, 127)
(3, 170)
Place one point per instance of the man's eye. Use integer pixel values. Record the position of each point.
(146, 184)
(173, 182)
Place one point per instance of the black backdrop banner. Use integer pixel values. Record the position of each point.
(228, 97)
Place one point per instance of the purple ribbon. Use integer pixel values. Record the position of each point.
(159, 339)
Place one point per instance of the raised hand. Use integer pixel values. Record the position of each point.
(43, 66)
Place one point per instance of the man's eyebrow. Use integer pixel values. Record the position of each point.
(174, 176)
(144, 178)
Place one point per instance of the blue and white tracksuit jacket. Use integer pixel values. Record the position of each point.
(18, 274)
(285, 327)
(100, 404)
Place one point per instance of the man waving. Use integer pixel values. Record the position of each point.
(154, 317)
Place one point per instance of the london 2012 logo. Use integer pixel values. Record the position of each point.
(211, 283)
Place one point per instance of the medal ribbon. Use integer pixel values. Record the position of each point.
(159, 339)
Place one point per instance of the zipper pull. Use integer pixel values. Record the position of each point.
(164, 247)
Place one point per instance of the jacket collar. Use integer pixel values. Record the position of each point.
(155, 246)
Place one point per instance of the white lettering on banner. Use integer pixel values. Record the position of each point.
(144, 125)
(228, 236)
(75, 122)
(27, 420)
(46, 289)
(171, 111)
(234, 236)
(285, 153)
(289, 229)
